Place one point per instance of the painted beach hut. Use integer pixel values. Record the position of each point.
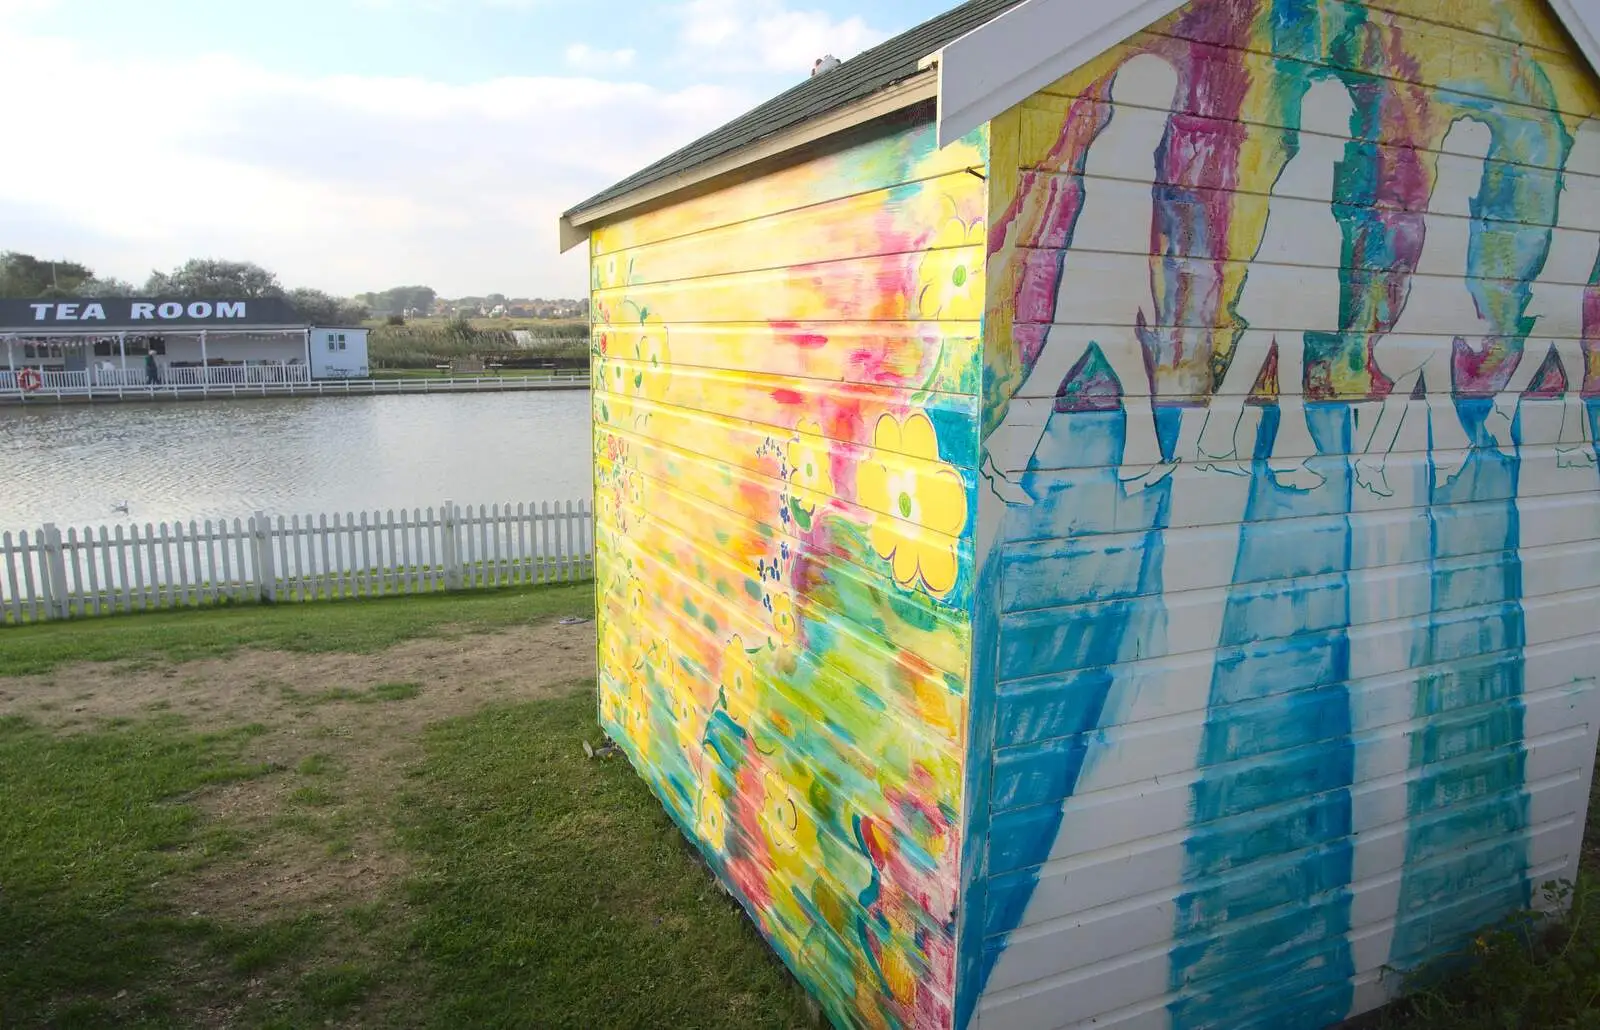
(1098, 508)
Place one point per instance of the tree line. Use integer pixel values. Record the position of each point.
(399, 300)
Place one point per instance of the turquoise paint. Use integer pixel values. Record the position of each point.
(1298, 964)
(1475, 758)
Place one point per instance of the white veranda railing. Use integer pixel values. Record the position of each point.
(108, 376)
(230, 375)
(55, 574)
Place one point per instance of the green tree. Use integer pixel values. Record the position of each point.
(324, 309)
(419, 297)
(399, 299)
(97, 287)
(214, 279)
(24, 276)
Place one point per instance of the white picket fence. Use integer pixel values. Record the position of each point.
(186, 383)
(51, 574)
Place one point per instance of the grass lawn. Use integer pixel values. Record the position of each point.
(379, 814)
(367, 814)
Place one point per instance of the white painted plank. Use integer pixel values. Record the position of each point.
(368, 586)
(249, 581)
(13, 599)
(520, 564)
(396, 570)
(546, 554)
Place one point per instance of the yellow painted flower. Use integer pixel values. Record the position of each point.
(687, 719)
(783, 617)
(936, 706)
(810, 463)
(929, 503)
(623, 698)
(780, 816)
(639, 697)
(950, 276)
(688, 727)
(711, 813)
(738, 680)
(789, 830)
(611, 660)
(612, 707)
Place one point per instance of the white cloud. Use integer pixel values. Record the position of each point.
(346, 183)
(768, 35)
(589, 59)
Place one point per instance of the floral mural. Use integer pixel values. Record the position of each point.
(785, 467)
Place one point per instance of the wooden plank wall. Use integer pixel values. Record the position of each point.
(785, 415)
(1294, 510)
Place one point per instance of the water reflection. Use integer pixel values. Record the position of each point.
(70, 464)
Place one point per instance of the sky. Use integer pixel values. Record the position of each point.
(354, 145)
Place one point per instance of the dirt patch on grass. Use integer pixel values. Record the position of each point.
(452, 675)
(338, 732)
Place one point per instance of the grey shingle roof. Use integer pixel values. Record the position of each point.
(884, 65)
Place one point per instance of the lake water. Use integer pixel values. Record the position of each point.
(180, 460)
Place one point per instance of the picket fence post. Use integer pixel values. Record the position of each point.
(451, 543)
(53, 571)
(261, 543)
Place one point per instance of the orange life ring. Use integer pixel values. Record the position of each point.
(29, 380)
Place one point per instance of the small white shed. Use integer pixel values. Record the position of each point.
(338, 352)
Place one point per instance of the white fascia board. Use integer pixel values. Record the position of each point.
(1005, 61)
(1582, 19)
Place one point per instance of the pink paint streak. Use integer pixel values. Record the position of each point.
(1199, 167)
(793, 334)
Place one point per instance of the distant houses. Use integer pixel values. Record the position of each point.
(474, 307)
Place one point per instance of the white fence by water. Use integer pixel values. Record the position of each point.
(51, 574)
(189, 383)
